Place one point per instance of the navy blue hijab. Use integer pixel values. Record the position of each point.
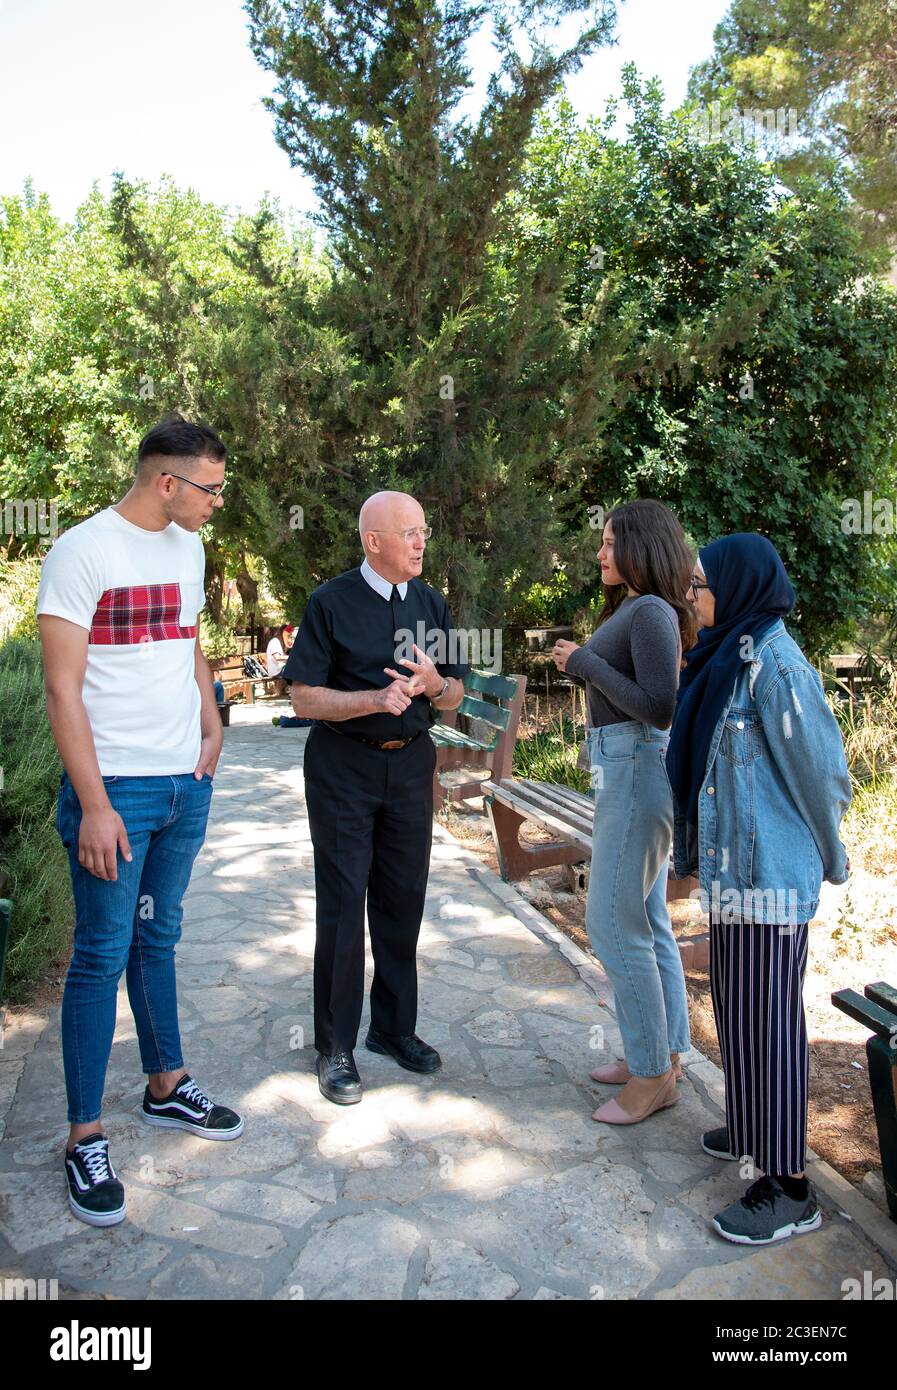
(752, 591)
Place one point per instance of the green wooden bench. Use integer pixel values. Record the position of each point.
(490, 712)
(876, 1008)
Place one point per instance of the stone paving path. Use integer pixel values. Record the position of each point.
(487, 1181)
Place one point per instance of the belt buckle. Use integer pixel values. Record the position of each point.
(394, 743)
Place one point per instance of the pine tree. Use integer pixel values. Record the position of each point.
(835, 67)
(410, 190)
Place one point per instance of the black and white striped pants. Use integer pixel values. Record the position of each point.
(756, 982)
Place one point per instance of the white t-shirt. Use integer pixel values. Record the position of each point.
(138, 593)
(275, 657)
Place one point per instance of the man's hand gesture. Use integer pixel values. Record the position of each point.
(424, 678)
(394, 698)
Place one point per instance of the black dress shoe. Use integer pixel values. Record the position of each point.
(410, 1051)
(338, 1078)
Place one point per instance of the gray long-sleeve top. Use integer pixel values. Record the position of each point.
(630, 666)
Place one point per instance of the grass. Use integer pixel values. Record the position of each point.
(548, 742)
(31, 856)
(550, 755)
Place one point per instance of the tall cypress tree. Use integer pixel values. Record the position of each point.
(453, 382)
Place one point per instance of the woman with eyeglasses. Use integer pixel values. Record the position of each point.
(630, 667)
(760, 784)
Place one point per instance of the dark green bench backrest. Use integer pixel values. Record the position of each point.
(876, 1008)
(499, 688)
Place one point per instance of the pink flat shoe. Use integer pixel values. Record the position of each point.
(612, 1113)
(617, 1074)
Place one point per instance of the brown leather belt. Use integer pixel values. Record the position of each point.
(372, 742)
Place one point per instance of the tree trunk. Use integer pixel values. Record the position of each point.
(214, 584)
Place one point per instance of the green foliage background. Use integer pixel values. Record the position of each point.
(627, 292)
(516, 316)
(31, 856)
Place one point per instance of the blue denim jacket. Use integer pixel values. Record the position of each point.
(773, 796)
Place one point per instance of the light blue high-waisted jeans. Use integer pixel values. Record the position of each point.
(626, 913)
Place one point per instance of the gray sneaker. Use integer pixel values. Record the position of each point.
(766, 1213)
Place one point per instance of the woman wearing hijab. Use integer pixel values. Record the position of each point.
(630, 667)
(760, 785)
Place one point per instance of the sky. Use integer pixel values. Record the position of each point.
(89, 87)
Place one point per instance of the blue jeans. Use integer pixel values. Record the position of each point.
(626, 913)
(132, 924)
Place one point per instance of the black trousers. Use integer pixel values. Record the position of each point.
(370, 812)
(756, 981)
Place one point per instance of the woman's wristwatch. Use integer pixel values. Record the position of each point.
(445, 686)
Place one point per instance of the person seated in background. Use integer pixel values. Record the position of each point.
(275, 656)
(217, 683)
(288, 721)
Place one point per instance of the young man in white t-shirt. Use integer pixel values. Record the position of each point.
(133, 712)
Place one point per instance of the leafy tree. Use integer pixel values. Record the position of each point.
(153, 301)
(646, 315)
(784, 409)
(447, 394)
(836, 65)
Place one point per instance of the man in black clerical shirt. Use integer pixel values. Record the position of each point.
(369, 783)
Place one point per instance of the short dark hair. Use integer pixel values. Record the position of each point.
(175, 437)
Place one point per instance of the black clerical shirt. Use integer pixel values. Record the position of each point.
(349, 633)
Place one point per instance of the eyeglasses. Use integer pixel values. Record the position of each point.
(425, 532)
(215, 490)
(697, 584)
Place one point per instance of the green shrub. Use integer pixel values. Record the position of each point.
(585, 621)
(19, 580)
(31, 855)
(218, 639)
(550, 755)
(869, 729)
(544, 604)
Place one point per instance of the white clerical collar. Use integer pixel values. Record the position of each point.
(382, 586)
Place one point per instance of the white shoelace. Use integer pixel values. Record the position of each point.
(96, 1160)
(192, 1092)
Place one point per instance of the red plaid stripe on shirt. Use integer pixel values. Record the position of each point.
(144, 613)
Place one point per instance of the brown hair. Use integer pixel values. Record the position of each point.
(653, 556)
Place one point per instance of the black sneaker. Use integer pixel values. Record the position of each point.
(188, 1108)
(95, 1193)
(716, 1143)
(766, 1213)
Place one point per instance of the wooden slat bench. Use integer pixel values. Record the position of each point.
(568, 814)
(491, 713)
(876, 1009)
(235, 681)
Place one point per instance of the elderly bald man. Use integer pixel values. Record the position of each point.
(369, 784)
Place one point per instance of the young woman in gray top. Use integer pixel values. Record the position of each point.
(630, 668)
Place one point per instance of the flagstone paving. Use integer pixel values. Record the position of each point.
(488, 1180)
